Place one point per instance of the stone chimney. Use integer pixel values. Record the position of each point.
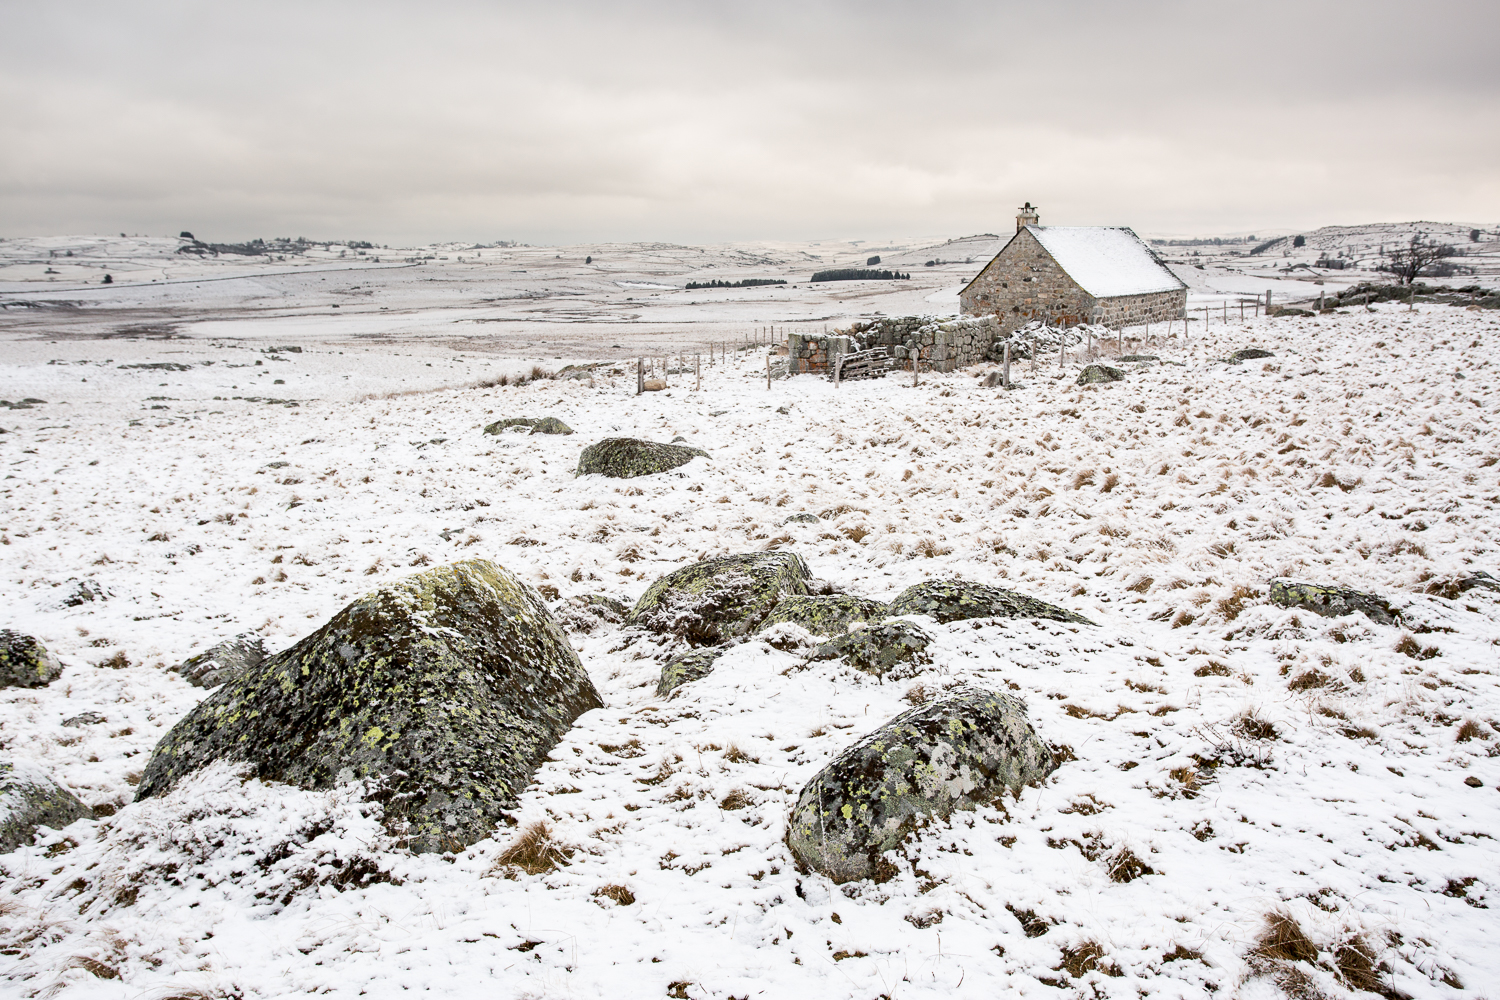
(1028, 217)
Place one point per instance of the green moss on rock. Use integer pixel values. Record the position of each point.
(25, 662)
(826, 615)
(957, 600)
(1331, 601)
(1099, 373)
(626, 458)
(30, 799)
(720, 599)
(687, 667)
(959, 752)
(448, 687)
(879, 649)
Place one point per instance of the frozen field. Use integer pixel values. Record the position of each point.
(1253, 761)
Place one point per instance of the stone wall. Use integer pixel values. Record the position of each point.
(1023, 283)
(813, 353)
(945, 344)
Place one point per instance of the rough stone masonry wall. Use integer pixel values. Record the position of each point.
(945, 344)
(1023, 283)
(1133, 310)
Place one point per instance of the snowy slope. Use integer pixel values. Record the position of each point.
(1256, 760)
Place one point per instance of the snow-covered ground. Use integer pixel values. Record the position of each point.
(1256, 760)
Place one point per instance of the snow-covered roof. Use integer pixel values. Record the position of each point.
(1106, 260)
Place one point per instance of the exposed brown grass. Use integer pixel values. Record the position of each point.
(619, 893)
(533, 852)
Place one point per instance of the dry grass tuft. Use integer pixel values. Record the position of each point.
(1283, 940)
(117, 662)
(533, 852)
(735, 800)
(619, 893)
(1469, 730)
(1309, 679)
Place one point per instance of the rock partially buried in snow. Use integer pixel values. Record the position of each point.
(550, 425)
(448, 688)
(959, 752)
(1099, 373)
(509, 423)
(720, 599)
(679, 670)
(30, 799)
(223, 662)
(957, 600)
(1140, 358)
(25, 662)
(1331, 602)
(1250, 354)
(879, 649)
(803, 518)
(626, 458)
(827, 615)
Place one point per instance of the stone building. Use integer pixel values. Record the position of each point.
(1067, 275)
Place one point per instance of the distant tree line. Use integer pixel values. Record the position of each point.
(1214, 241)
(858, 274)
(742, 283)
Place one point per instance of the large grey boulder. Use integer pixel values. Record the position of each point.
(720, 599)
(957, 600)
(1099, 373)
(30, 799)
(826, 614)
(959, 752)
(626, 458)
(25, 662)
(219, 663)
(447, 688)
(686, 667)
(886, 648)
(1330, 602)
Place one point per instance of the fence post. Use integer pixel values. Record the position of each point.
(1062, 348)
(640, 375)
(1005, 368)
(768, 371)
(697, 372)
(916, 365)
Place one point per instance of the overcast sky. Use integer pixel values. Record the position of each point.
(695, 122)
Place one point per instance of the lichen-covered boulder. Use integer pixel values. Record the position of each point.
(1331, 602)
(506, 423)
(1099, 373)
(956, 600)
(720, 599)
(219, 663)
(1250, 354)
(25, 662)
(959, 752)
(880, 649)
(626, 458)
(29, 799)
(550, 425)
(687, 667)
(448, 688)
(826, 615)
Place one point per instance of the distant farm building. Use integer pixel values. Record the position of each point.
(1067, 275)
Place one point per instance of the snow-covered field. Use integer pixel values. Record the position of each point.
(1232, 760)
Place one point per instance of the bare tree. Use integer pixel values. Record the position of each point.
(1416, 259)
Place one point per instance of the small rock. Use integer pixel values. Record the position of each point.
(550, 425)
(86, 719)
(879, 649)
(448, 688)
(1331, 602)
(1473, 782)
(505, 424)
(626, 458)
(1099, 373)
(803, 518)
(827, 615)
(719, 599)
(30, 799)
(653, 385)
(958, 752)
(1479, 579)
(684, 668)
(1140, 357)
(958, 600)
(277, 465)
(586, 613)
(718, 413)
(784, 410)
(1250, 354)
(223, 662)
(25, 662)
(84, 592)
